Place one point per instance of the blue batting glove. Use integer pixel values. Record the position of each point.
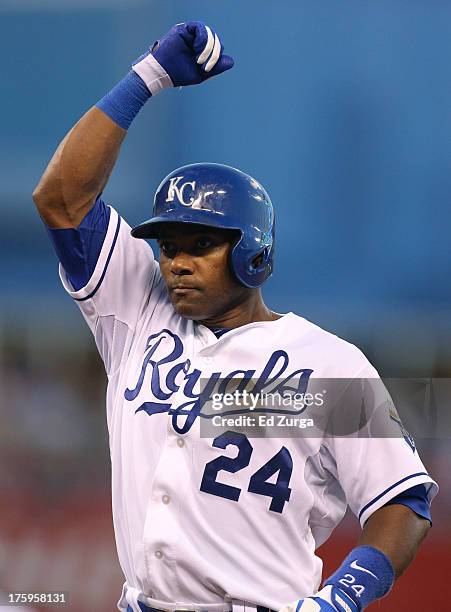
(188, 54)
(329, 599)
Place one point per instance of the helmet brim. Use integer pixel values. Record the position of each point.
(152, 227)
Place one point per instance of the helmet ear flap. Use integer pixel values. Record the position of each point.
(261, 258)
(251, 272)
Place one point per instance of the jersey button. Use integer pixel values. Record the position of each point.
(180, 442)
(158, 554)
(165, 499)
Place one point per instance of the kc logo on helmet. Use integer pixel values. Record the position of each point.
(177, 190)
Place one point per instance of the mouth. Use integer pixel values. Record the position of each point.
(182, 290)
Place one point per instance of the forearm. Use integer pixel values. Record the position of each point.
(79, 170)
(397, 532)
(187, 55)
(389, 542)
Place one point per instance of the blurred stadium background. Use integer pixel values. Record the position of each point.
(343, 111)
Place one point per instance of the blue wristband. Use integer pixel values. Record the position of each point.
(125, 100)
(365, 575)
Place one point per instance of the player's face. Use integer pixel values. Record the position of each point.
(194, 262)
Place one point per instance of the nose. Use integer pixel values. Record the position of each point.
(182, 264)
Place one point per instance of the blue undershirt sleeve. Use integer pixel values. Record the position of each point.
(78, 249)
(416, 499)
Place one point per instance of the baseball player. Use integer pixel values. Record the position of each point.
(217, 523)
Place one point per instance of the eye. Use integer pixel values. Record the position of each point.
(204, 242)
(168, 248)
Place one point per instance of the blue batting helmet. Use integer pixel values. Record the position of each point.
(219, 196)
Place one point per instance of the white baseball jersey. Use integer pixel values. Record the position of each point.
(200, 519)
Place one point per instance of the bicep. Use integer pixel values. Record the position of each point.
(78, 249)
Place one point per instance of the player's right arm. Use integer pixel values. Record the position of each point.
(79, 170)
(113, 277)
(77, 173)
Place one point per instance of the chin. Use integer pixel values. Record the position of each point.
(189, 311)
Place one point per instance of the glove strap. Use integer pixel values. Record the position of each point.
(126, 99)
(153, 74)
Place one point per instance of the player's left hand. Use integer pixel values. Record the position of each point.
(329, 599)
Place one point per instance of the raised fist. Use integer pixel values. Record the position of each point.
(188, 54)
